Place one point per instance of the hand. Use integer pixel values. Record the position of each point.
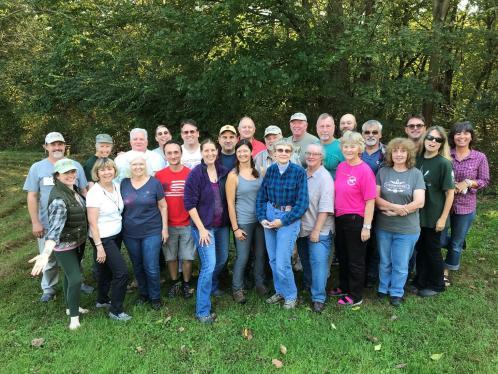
(164, 235)
(275, 224)
(101, 256)
(440, 224)
(461, 186)
(240, 234)
(365, 234)
(389, 213)
(37, 230)
(400, 210)
(40, 263)
(265, 223)
(204, 238)
(315, 236)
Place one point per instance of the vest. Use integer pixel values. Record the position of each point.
(76, 228)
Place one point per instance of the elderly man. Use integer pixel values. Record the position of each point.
(227, 139)
(247, 128)
(374, 149)
(325, 128)
(317, 226)
(347, 122)
(103, 149)
(191, 148)
(300, 138)
(415, 128)
(266, 158)
(138, 143)
(163, 135)
(38, 185)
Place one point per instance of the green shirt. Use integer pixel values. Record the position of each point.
(88, 166)
(438, 178)
(333, 156)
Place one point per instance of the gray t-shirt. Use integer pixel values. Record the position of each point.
(245, 203)
(301, 145)
(40, 179)
(397, 188)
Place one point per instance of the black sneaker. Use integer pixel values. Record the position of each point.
(156, 304)
(141, 300)
(174, 290)
(186, 290)
(396, 301)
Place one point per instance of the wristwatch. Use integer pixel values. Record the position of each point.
(368, 227)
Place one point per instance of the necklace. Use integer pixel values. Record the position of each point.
(113, 196)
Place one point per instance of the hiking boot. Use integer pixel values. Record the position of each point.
(276, 298)
(85, 288)
(207, 320)
(290, 304)
(239, 297)
(318, 307)
(261, 290)
(120, 317)
(174, 290)
(156, 304)
(187, 292)
(46, 297)
(396, 301)
(382, 295)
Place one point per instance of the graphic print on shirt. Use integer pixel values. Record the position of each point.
(397, 186)
(176, 188)
(351, 180)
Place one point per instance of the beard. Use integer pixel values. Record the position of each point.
(370, 142)
(58, 155)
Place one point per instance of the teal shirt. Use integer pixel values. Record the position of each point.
(333, 156)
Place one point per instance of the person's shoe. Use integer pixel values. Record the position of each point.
(217, 293)
(141, 300)
(46, 297)
(186, 290)
(337, 292)
(396, 301)
(290, 304)
(261, 290)
(85, 288)
(207, 320)
(120, 317)
(427, 292)
(239, 297)
(156, 304)
(174, 290)
(318, 307)
(276, 298)
(106, 305)
(382, 295)
(80, 311)
(412, 288)
(348, 301)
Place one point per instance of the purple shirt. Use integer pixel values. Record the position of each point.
(218, 206)
(475, 167)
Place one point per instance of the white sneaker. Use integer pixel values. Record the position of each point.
(120, 317)
(103, 305)
(290, 304)
(276, 298)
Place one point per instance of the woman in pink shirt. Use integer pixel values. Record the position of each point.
(355, 193)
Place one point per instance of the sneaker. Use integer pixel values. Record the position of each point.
(411, 288)
(337, 292)
(156, 304)
(427, 292)
(120, 317)
(174, 290)
(85, 288)
(318, 307)
(396, 301)
(276, 298)
(239, 297)
(381, 295)
(207, 320)
(261, 290)
(187, 292)
(106, 305)
(80, 311)
(348, 301)
(46, 297)
(290, 304)
(141, 300)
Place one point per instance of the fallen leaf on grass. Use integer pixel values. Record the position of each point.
(333, 326)
(183, 348)
(37, 342)
(167, 319)
(394, 317)
(355, 308)
(436, 356)
(482, 258)
(181, 329)
(277, 363)
(283, 349)
(139, 350)
(377, 347)
(372, 338)
(246, 333)
(400, 366)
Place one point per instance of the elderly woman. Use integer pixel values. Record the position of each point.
(205, 201)
(145, 226)
(355, 193)
(436, 168)
(67, 232)
(281, 202)
(471, 172)
(316, 227)
(400, 194)
(242, 187)
(104, 207)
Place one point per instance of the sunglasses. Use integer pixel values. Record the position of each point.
(162, 133)
(431, 138)
(373, 132)
(284, 150)
(186, 132)
(415, 126)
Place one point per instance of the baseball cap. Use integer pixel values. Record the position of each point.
(273, 130)
(54, 137)
(103, 138)
(298, 116)
(228, 128)
(64, 165)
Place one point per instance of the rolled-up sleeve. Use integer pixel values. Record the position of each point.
(482, 179)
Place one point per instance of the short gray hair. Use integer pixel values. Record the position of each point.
(371, 122)
(318, 145)
(324, 116)
(137, 130)
(283, 142)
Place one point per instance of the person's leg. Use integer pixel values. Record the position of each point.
(186, 251)
(50, 275)
(134, 247)
(103, 276)
(259, 255)
(285, 241)
(401, 251)
(342, 254)
(151, 246)
(207, 257)
(242, 248)
(222, 237)
(434, 261)
(319, 254)
(170, 251)
(303, 250)
(460, 226)
(372, 259)
(420, 252)
(271, 248)
(69, 263)
(385, 246)
(117, 265)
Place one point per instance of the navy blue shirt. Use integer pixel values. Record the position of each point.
(141, 215)
(228, 161)
(374, 160)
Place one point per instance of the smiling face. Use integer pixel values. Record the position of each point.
(138, 142)
(190, 135)
(462, 139)
(209, 153)
(227, 140)
(283, 153)
(433, 141)
(247, 128)
(270, 139)
(68, 178)
(325, 129)
(162, 135)
(372, 135)
(243, 154)
(314, 156)
(173, 153)
(298, 127)
(415, 129)
(347, 122)
(399, 156)
(103, 150)
(106, 174)
(138, 167)
(351, 151)
(55, 150)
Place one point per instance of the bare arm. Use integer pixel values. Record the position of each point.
(231, 191)
(93, 218)
(418, 201)
(369, 211)
(320, 220)
(163, 208)
(37, 227)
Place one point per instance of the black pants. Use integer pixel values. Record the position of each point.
(112, 274)
(372, 257)
(430, 264)
(351, 252)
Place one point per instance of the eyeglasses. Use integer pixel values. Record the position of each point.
(412, 126)
(284, 150)
(373, 132)
(431, 138)
(162, 133)
(186, 132)
(314, 154)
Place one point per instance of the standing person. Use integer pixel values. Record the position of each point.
(66, 232)
(471, 174)
(400, 194)
(355, 193)
(145, 226)
(436, 168)
(317, 226)
(180, 244)
(163, 135)
(227, 139)
(191, 149)
(104, 207)
(300, 137)
(281, 202)
(103, 149)
(347, 123)
(247, 129)
(415, 129)
(206, 204)
(242, 187)
(38, 185)
(325, 128)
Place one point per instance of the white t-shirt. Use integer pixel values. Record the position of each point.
(191, 159)
(110, 207)
(154, 163)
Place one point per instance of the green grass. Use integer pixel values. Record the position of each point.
(461, 323)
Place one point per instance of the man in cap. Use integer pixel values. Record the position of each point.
(38, 185)
(247, 128)
(347, 122)
(103, 149)
(227, 138)
(325, 128)
(300, 138)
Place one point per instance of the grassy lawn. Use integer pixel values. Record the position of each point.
(459, 327)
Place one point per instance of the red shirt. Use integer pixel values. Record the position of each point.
(174, 184)
(257, 147)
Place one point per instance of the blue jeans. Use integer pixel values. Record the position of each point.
(212, 257)
(255, 238)
(315, 260)
(395, 251)
(280, 244)
(460, 226)
(144, 255)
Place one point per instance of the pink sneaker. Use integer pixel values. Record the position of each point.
(337, 292)
(348, 301)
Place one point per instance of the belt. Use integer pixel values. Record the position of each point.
(283, 208)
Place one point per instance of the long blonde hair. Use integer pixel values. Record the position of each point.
(444, 150)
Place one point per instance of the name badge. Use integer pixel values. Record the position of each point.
(48, 181)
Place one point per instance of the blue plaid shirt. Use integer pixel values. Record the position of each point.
(290, 188)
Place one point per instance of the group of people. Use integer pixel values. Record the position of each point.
(384, 211)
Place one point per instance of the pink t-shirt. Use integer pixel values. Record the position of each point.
(354, 185)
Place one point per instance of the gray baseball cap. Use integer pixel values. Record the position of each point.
(54, 137)
(298, 116)
(273, 130)
(103, 138)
